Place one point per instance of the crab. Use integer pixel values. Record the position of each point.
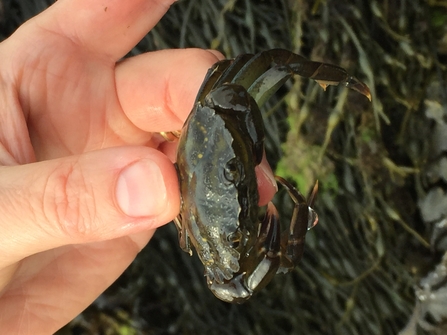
(221, 143)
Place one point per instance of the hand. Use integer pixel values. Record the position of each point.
(84, 180)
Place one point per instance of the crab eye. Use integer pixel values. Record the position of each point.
(233, 171)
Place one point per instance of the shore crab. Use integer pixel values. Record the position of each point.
(221, 143)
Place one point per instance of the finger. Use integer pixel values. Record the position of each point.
(64, 281)
(157, 90)
(92, 197)
(267, 186)
(108, 27)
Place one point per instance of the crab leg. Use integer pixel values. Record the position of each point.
(267, 252)
(303, 219)
(264, 73)
(212, 76)
(258, 269)
(267, 71)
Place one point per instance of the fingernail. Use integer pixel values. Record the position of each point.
(140, 189)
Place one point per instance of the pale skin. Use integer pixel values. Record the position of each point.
(84, 178)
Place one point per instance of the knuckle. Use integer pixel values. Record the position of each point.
(69, 203)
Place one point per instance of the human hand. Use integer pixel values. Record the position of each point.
(84, 181)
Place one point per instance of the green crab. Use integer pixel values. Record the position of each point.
(221, 143)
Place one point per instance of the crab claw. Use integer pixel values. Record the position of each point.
(258, 269)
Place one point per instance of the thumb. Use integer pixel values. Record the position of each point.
(96, 196)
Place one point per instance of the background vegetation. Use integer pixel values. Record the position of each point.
(373, 244)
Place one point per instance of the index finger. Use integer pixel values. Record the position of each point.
(109, 27)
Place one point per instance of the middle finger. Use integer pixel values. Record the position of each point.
(157, 90)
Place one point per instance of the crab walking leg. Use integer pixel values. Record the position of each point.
(264, 73)
(311, 199)
(268, 247)
(258, 269)
(212, 76)
(303, 219)
(233, 69)
(222, 72)
(268, 71)
(182, 235)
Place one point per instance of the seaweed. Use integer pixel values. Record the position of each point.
(373, 244)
